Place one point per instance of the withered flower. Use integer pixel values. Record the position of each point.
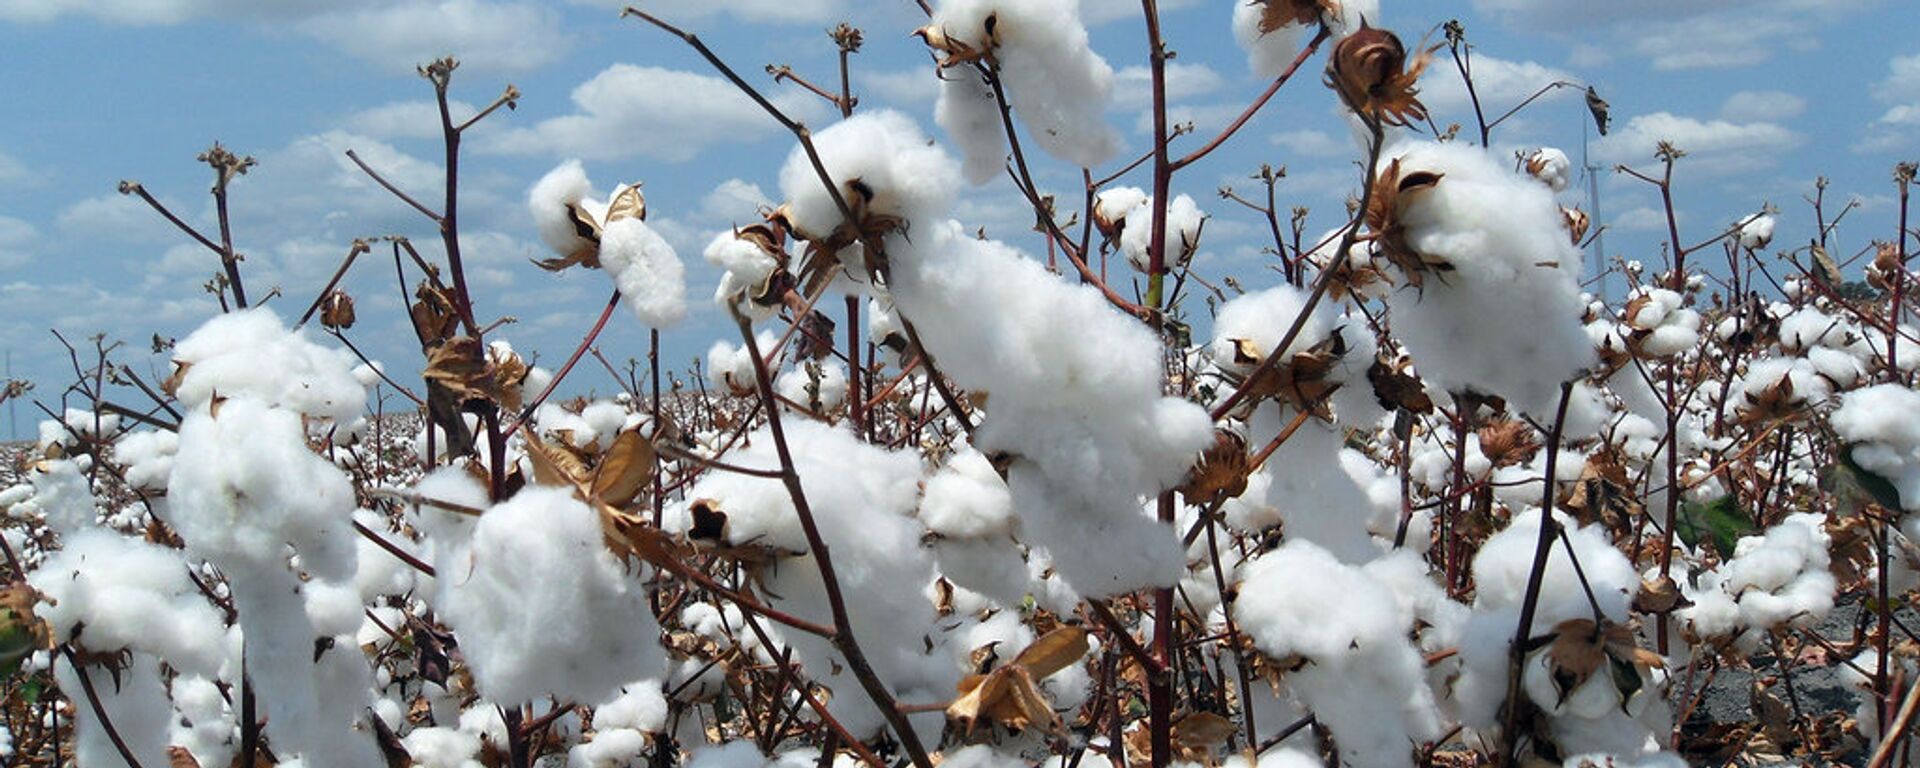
(1370, 71)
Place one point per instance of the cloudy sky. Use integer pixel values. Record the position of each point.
(1765, 95)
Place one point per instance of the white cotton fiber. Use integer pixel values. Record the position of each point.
(1057, 85)
(647, 272)
(250, 352)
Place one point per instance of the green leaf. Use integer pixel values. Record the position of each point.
(1853, 487)
(1718, 523)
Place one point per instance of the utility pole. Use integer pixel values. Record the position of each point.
(1593, 201)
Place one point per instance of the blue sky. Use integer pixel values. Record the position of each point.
(1765, 95)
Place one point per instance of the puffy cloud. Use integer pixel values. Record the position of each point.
(758, 11)
(1133, 86)
(1501, 84)
(1104, 11)
(485, 34)
(1722, 41)
(1750, 106)
(1713, 146)
(16, 237)
(1900, 124)
(628, 111)
(1312, 143)
(407, 120)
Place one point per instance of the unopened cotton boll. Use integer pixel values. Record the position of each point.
(644, 267)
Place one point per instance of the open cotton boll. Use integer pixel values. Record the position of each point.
(544, 607)
(250, 352)
(1756, 232)
(882, 151)
(129, 594)
(1501, 571)
(967, 499)
(969, 113)
(1053, 79)
(818, 389)
(1268, 53)
(862, 498)
(1076, 398)
(644, 267)
(548, 200)
(746, 264)
(1184, 221)
(1353, 630)
(1781, 576)
(1550, 166)
(203, 722)
(255, 488)
(442, 748)
(1505, 319)
(1880, 421)
(610, 748)
(135, 701)
(62, 496)
(1111, 207)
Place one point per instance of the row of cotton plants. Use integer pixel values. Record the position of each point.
(1427, 500)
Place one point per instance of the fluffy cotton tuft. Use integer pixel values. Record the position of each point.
(1505, 319)
(1184, 220)
(542, 607)
(1883, 424)
(129, 594)
(1551, 167)
(1053, 79)
(548, 200)
(882, 150)
(648, 273)
(1757, 232)
(250, 352)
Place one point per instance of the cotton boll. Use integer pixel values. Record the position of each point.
(1782, 575)
(1353, 631)
(882, 150)
(967, 499)
(251, 353)
(527, 634)
(203, 723)
(610, 748)
(644, 267)
(1757, 232)
(730, 366)
(442, 748)
(745, 263)
(1269, 53)
(1053, 79)
(980, 756)
(969, 113)
(1114, 204)
(129, 594)
(1076, 396)
(1550, 166)
(1183, 224)
(818, 389)
(548, 201)
(135, 701)
(1506, 318)
(862, 498)
(640, 707)
(1880, 423)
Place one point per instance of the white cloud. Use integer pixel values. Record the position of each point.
(1312, 143)
(1718, 146)
(482, 34)
(734, 201)
(900, 88)
(114, 217)
(1900, 124)
(1752, 106)
(1094, 12)
(1501, 85)
(12, 171)
(398, 34)
(16, 237)
(1133, 86)
(759, 11)
(407, 119)
(1903, 80)
(1722, 41)
(1641, 219)
(628, 111)
(1571, 15)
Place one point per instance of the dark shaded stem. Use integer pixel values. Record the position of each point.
(1542, 549)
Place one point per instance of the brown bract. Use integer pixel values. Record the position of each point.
(1577, 648)
(1301, 381)
(955, 50)
(1221, 473)
(1010, 695)
(471, 373)
(1393, 190)
(1275, 14)
(336, 310)
(1370, 71)
(628, 203)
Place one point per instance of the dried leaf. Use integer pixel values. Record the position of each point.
(1009, 696)
(1221, 472)
(626, 468)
